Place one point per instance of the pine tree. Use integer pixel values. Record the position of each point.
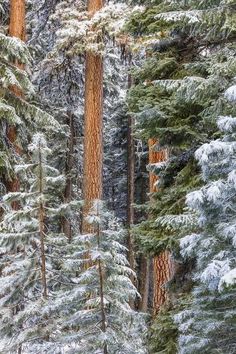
(208, 323)
(17, 111)
(96, 315)
(177, 99)
(32, 255)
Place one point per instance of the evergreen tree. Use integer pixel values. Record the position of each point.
(208, 324)
(188, 62)
(95, 314)
(17, 111)
(31, 254)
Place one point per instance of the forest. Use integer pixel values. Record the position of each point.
(118, 177)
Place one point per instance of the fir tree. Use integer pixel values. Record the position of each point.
(208, 324)
(96, 316)
(189, 61)
(17, 111)
(32, 254)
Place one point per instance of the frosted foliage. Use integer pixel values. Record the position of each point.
(228, 280)
(213, 249)
(214, 149)
(82, 32)
(188, 244)
(190, 16)
(96, 311)
(24, 312)
(227, 124)
(215, 270)
(195, 199)
(176, 222)
(230, 94)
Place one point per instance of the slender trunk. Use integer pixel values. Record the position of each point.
(41, 228)
(144, 286)
(101, 283)
(66, 224)
(93, 145)
(16, 29)
(130, 190)
(162, 263)
(144, 274)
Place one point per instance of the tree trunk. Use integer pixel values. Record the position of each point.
(17, 19)
(144, 283)
(102, 283)
(93, 145)
(16, 29)
(41, 228)
(162, 263)
(130, 190)
(66, 224)
(144, 272)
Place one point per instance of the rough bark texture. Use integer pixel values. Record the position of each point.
(95, 5)
(162, 263)
(17, 19)
(16, 29)
(93, 145)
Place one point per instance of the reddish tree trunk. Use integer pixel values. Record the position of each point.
(16, 29)
(162, 263)
(93, 144)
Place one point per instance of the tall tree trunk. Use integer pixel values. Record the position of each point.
(144, 283)
(16, 29)
(17, 19)
(102, 284)
(41, 228)
(93, 144)
(145, 265)
(162, 263)
(130, 190)
(66, 224)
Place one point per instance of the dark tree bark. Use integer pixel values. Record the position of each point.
(130, 190)
(66, 224)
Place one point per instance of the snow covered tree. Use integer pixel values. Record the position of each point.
(207, 325)
(95, 314)
(188, 61)
(31, 247)
(169, 97)
(16, 111)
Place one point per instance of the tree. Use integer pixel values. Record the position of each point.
(33, 249)
(17, 113)
(208, 323)
(97, 317)
(177, 97)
